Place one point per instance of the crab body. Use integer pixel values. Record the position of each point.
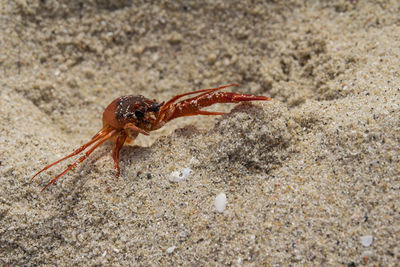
(128, 116)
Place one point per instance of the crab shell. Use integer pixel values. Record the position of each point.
(136, 109)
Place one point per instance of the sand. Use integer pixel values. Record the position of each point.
(311, 178)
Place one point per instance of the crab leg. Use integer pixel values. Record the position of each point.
(170, 103)
(204, 112)
(119, 142)
(172, 100)
(82, 158)
(95, 138)
(192, 106)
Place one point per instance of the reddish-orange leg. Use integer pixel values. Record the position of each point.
(192, 106)
(82, 158)
(115, 152)
(101, 137)
(95, 138)
(170, 105)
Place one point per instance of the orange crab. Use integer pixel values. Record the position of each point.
(128, 116)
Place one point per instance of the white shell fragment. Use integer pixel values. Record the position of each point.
(220, 202)
(177, 176)
(170, 249)
(366, 240)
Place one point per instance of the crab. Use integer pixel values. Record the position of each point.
(128, 116)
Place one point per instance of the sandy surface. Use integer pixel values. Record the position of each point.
(309, 178)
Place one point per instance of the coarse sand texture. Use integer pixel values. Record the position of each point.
(311, 178)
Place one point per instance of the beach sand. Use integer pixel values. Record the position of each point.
(310, 178)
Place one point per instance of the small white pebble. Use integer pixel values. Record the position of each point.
(186, 172)
(170, 249)
(220, 202)
(155, 57)
(366, 240)
(104, 253)
(177, 176)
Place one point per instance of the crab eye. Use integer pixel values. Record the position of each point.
(139, 114)
(154, 107)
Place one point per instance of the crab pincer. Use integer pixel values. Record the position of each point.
(128, 116)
